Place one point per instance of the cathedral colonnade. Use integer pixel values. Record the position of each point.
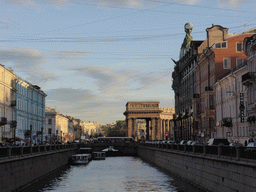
(157, 119)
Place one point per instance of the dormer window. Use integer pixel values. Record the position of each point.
(221, 45)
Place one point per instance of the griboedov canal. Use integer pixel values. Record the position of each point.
(111, 174)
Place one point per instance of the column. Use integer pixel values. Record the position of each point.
(150, 129)
(164, 129)
(147, 129)
(134, 127)
(158, 128)
(168, 127)
(129, 127)
(153, 125)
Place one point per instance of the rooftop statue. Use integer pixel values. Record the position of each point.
(187, 40)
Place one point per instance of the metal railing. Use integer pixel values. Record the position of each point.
(224, 151)
(20, 151)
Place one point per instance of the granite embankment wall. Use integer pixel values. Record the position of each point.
(212, 173)
(18, 171)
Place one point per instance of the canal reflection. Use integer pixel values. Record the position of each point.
(112, 174)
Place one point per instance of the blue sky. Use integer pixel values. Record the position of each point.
(91, 57)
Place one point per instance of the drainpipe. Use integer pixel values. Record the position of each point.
(235, 91)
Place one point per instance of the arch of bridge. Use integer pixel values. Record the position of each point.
(157, 118)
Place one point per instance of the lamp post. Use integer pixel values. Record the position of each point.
(14, 125)
(42, 130)
(30, 134)
(50, 132)
(61, 136)
(56, 137)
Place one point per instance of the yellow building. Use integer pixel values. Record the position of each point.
(7, 103)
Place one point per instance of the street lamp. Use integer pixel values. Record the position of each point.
(30, 134)
(14, 125)
(50, 132)
(61, 136)
(42, 130)
(56, 137)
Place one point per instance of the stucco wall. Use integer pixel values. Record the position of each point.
(211, 173)
(15, 173)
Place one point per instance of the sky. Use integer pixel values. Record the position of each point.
(93, 56)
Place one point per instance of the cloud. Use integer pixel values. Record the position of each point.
(106, 79)
(70, 54)
(120, 81)
(133, 4)
(155, 79)
(74, 101)
(35, 2)
(232, 3)
(29, 62)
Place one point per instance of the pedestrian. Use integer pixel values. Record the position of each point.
(245, 143)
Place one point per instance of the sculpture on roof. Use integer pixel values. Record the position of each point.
(187, 40)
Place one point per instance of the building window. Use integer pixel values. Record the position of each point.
(224, 44)
(239, 47)
(49, 121)
(226, 63)
(221, 45)
(239, 62)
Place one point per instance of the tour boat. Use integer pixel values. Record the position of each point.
(110, 151)
(79, 159)
(110, 148)
(98, 155)
(86, 150)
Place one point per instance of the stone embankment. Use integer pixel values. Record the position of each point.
(215, 169)
(20, 166)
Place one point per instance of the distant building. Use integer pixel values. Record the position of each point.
(57, 127)
(91, 128)
(231, 107)
(22, 106)
(7, 103)
(30, 111)
(194, 76)
(249, 80)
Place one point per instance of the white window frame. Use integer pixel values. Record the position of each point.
(241, 47)
(237, 62)
(226, 59)
(221, 45)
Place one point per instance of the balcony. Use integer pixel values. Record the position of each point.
(248, 78)
(13, 103)
(227, 122)
(3, 121)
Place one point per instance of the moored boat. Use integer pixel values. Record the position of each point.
(110, 148)
(110, 151)
(79, 159)
(98, 155)
(86, 150)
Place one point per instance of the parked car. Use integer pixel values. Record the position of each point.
(183, 142)
(233, 144)
(171, 142)
(189, 142)
(251, 146)
(197, 143)
(218, 141)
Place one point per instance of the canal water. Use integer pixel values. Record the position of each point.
(111, 175)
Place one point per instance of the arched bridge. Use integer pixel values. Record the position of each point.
(123, 148)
